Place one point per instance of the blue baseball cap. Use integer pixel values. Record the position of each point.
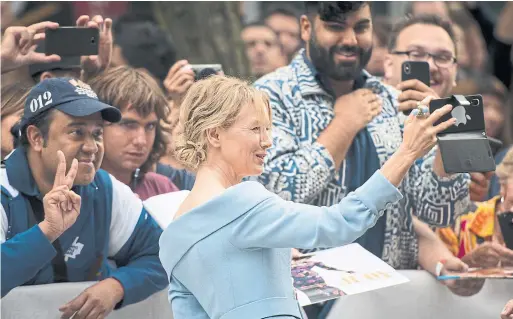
(68, 95)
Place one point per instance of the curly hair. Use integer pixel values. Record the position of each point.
(210, 103)
(123, 86)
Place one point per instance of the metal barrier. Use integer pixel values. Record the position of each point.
(425, 298)
(422, 298)
(43, 301)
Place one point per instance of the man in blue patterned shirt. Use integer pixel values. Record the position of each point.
(335, 125)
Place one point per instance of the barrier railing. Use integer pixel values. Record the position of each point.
(422, 298)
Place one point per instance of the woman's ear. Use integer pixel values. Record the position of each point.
(213, 137)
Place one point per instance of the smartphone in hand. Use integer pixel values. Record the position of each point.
(418, 70)
(469, 118)
(72, 41)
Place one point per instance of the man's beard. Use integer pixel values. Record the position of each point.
(324, 60)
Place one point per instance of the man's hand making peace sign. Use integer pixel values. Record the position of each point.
(61, 204)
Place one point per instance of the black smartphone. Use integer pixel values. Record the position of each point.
(470, 118)
(506, 224)
(202, 71)
(418, 70)
(72, 41)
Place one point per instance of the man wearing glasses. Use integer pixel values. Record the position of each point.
(427, 38)
(422, 38)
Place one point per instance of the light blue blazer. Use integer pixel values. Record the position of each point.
(230, 257)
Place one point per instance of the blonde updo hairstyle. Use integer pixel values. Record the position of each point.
(214, 102)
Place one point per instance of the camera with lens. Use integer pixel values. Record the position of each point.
(407, 68)
(202, 71)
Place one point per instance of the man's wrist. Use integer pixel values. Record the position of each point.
(345, 122)
(118, 292)
(47, 230)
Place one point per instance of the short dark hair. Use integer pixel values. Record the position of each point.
(58, 73)
(145, 44)
(42, 121)
(332, 10)
(428, 19)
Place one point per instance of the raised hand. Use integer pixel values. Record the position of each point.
(19, 45)
(420, 131)
(178, 80)
(358, 107)
(94, 64)
(61, 204)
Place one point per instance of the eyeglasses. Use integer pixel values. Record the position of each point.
(441, 60)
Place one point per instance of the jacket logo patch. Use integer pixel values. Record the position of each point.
(74, 250)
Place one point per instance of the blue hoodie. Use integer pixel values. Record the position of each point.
(112, 225)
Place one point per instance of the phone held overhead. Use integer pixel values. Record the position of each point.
(72, 41)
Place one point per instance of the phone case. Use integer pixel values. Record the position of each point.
(418, 70)
(470, 117)
(464, 146)
(72, 41)
(506, 224)
(466, 152)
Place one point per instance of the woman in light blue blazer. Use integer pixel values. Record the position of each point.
(228, 251)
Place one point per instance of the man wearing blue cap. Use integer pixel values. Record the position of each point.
(45, 241)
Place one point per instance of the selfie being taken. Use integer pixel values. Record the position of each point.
(187, 159)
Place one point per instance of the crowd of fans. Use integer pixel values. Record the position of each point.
(333, 76)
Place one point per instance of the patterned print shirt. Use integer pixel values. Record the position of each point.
(298, 168)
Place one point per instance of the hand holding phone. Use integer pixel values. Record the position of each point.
(414, 86)
(18, 46)
(94, 64)
(178, 80)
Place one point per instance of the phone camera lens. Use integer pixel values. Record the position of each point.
(93, 41)
(407, 69)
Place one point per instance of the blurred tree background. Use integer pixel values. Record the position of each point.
(209, 33)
